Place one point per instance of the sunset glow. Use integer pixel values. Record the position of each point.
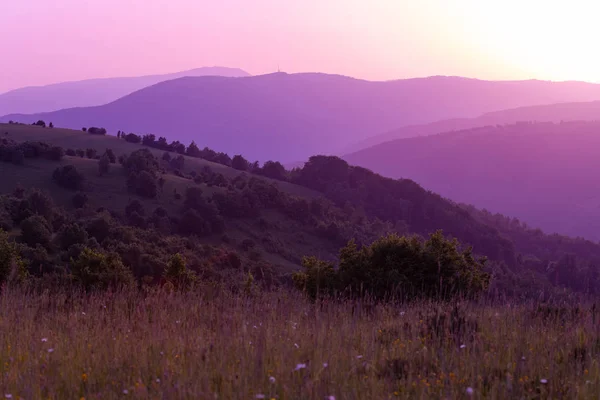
(379, 40)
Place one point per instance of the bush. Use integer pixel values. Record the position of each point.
(396, 266)
(11, 266)
(71, 153)
(96, 131)
(141, 160)
(143, 184)
(177, 273)
(111, 156)
(132, 138)
(96, 270)
(177, 162)
(40, 123)
(71, 234)
(55, 153)
(68, 177)
(103, 165)
(90, 153)
(34, 230)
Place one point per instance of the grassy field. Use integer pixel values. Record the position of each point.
(277, 345)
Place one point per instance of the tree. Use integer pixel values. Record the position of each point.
(240, 163)
(395, 266)
(71, 234)
(149, 140)
(166, 156)
(177, 162)
(11, 266)
(55, 153)
(178, 274)
(84, 129)
(193, 150)
(274, 170)
(103, 165)
(40, 123)
(111, 156)
(96, 131)
(143, 184)
(51, 125)
(141, 160)
(34, 230)
(97, 270)
(132, 138)
(68, 177)
(90, 153)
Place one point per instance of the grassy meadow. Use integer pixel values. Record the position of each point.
(159, 345)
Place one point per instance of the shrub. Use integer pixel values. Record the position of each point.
(11, 266)
(96, 270)
(141, 160)
(71, 234)
(80, 153)
(103, 165)
(399, 266)
(177, 162)
(134, 206)
(55, 153)
(90, 153)
(111, 156)
(178, 275)
(166, 156)
(143, 184)
(132, 138)
(96, 131)
(34, 230)
(71, 153)
(68, 177)
(40, 123)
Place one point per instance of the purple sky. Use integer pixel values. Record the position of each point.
(46, 41)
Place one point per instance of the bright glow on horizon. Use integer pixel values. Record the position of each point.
(45, 42)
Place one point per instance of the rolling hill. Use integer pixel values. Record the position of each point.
(289, 117)
(541, 173)
(574, 111)
(91, 92)
(271, 224)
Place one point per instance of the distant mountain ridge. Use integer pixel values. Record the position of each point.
(541, 173)
(92, 92)
(570, 111)
(289, 117)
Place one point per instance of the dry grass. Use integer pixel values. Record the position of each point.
(178, 346)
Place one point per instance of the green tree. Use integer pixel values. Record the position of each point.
(178, 274)
(11, 266)
(34, 230)
(97, 270)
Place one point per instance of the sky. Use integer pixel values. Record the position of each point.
(46, 41)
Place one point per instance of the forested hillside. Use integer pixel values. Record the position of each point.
(146, 205)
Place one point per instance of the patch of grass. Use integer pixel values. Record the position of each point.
(211, 344)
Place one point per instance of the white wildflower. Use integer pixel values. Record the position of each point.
(272, 379)
(299, 367)
(296, 345)
(402, 313)
(470, 391)
(44, 340)
(359, 357)
(157, 380)
(125, 391)
(8, 396)
(83, 313)
(325, 365)
(50, 350)
(260, 396)
(544, 381)
(462, 346)
(178, 322)
(330, 398)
